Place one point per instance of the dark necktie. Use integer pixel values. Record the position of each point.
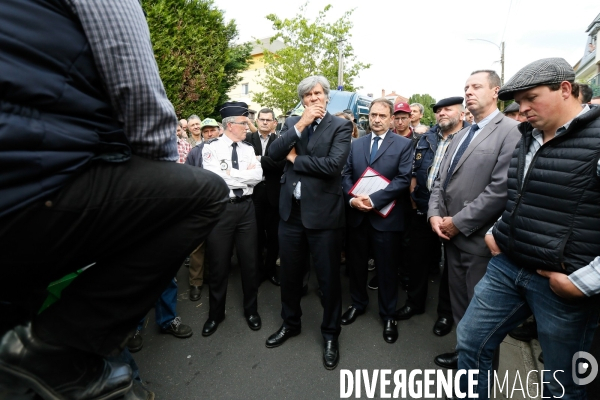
(374, 148)
(234, 164)
(311, 129)
(459, 153)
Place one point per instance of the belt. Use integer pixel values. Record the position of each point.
(234, 200)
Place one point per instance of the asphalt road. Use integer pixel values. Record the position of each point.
(234, 363)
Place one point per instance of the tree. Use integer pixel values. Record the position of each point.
(427, 101)
(311, 49)
(195, 53)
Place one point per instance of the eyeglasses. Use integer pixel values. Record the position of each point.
(265, 120)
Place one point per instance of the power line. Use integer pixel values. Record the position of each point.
(506, 23)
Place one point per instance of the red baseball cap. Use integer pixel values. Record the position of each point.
(401, 107)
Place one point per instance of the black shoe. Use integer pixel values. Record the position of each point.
(177, 329)
(304, 290)
(195, 292)
(136, 342)
(373, 283)
(447, 360)
(279, 337)
(407, 312)
(27, 363)
(525, 332)
(350, 315)
(210, 326)
(390, 331)
(275, 281)
(371, 264)
(331, 354)
(254, 321)
(443, 326)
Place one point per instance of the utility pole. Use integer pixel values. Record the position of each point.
(502, 61)
(340, 64)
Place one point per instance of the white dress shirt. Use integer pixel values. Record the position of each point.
(216, 157)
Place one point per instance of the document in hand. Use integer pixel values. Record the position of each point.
(370, 182)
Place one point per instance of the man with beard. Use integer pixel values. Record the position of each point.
(424, 243)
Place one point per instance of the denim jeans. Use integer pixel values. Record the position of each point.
(503, 299)
(165, 307)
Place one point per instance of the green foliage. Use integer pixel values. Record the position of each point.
(194, 50)
(427, 101)
(312, 49)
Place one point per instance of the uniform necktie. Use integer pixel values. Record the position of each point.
(234, 164)
(374, 148)
(461, 150)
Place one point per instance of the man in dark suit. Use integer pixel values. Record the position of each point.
(470, 192)
(266, 195)
(391, 156)
(311, 207)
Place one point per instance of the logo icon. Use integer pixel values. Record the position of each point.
(584, 363)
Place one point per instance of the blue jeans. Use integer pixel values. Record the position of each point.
(165, 307)
(503, 299)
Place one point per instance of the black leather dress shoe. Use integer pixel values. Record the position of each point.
(27, 363)
(525, 332)
(254, 321)
(279, 337)
(195, 292)
(350, 315)
(390, 331)
(447, 360)
(210, 326)
(407, 312)
(331, 354)
(443, 326)
(275, 281)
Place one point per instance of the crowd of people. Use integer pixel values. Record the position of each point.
(97, 170)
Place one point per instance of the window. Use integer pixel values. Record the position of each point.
(244, 88)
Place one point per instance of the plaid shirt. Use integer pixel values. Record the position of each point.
(434, 170)
(119, 39)
(183, 148)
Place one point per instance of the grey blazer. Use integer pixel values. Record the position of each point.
(477, 192)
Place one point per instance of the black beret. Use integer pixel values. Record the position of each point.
(450, 101)
(541, 72)
(234, 109)
(512, 107)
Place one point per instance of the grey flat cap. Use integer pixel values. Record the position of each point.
(512, 107)
(541, 72)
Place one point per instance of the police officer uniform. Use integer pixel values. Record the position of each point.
(236, 163)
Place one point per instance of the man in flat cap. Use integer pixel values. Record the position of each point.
(512, 112)
(311, 207)
(232, 158)
(424, 243)
(469, 192)
(547, 242)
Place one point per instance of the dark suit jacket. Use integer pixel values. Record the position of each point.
(477, 191)
(271, 169)
(319, 167)
(394, 161)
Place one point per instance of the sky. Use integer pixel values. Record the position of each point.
(424, 47)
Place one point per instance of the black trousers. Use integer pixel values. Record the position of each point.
(425, 256)
(297, 244)
(236, 226)
(426, 252)
(136, 220)
(386, 252)
(267, 224)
